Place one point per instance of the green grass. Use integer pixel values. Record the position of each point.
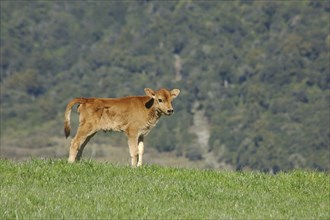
(44, 189)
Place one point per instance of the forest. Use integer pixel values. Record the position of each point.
(254, 75)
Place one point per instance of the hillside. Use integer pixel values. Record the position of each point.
(254, 75)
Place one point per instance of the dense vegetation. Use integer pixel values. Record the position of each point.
(54, 189)
(257, 70)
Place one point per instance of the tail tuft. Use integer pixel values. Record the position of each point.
(66, 129)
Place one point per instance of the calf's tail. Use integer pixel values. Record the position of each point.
(67, 126)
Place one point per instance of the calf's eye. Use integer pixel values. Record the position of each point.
(160, 100)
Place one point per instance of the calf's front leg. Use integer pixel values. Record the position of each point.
(133, 150)
(140, 150)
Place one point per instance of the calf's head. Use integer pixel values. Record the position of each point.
(162, 99)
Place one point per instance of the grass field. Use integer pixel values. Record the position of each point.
(53, 189)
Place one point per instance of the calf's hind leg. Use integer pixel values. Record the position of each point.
(79, 154)
(78, 143)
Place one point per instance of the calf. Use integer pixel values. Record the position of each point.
(134, 115)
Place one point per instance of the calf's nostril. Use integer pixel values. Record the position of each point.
(170, 111)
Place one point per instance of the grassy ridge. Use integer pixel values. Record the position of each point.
(55, 189)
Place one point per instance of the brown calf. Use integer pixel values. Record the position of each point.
(134, 115)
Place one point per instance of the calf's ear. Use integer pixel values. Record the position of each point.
(175, 93)
(149, 92)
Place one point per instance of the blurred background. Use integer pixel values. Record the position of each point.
(254, 79)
